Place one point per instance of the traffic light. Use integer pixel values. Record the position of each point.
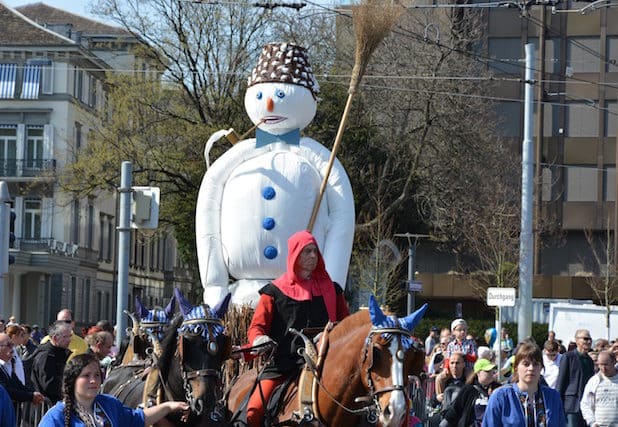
(12, 235)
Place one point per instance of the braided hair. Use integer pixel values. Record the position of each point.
(72, 370)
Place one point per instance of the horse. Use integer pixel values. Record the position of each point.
(146, 333)
(360, 377)
(188, 369)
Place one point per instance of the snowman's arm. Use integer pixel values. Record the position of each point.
(211, 141)
(338, 197)
(210, 251)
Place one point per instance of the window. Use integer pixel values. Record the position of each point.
(31, 82)
(102, 235)
(507, 55)
(582, 119)
(79, 81)
(47, 79)
(508, 119)
(612, 54)
(110, 237)
(8, 73)
(611, 118)
(32, 219)
(72, 304)
(75, 224)
(90, 227)
(86, 302)
(78, 138)
(583, 54)
(552, 54)
(581, 184)
(546, 184)
(34, 148)
(609, 178)
(8, 150)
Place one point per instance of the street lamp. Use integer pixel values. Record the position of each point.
(412, 243)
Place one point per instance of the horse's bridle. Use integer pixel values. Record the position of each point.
(372, 408)
(388, 334)
(212, 348)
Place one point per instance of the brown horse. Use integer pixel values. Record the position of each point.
(361, 379)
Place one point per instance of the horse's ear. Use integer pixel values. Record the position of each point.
(171, 306)
(220, 309)
(378, 318)
(140, 310)
(185, 306)
(410, 321)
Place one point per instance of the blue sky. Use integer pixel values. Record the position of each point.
(79, 7)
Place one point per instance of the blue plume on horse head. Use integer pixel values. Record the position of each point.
(378, 318)
(220, 309)
(140, 310)
(381, 320)
(171, 306)
(183, 303)
(413, 319)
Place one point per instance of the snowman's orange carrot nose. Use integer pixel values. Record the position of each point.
(270, 105)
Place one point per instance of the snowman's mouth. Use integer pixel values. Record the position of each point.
(269, 120)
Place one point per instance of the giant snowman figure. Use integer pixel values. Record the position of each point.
(262, 190)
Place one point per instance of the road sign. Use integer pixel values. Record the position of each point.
(145, 207)
(501, 297)
(415, 286)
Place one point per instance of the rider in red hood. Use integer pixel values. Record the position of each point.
(303, 297)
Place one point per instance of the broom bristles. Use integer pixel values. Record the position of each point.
(373, 21)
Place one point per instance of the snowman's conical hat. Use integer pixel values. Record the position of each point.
(284, 63)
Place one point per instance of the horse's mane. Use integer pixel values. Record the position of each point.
(168, 343)
(351, 323)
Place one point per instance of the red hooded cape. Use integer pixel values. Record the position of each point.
(320, 283)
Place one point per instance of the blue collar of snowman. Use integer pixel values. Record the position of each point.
(263, 138)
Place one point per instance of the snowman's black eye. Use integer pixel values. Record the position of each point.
(279, 93)
(258, 95)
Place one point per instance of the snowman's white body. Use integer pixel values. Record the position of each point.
(252, 199)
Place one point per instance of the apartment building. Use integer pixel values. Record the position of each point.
(52, 85)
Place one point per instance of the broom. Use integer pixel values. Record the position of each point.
(372, 20)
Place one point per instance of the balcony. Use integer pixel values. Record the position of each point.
(26, 168)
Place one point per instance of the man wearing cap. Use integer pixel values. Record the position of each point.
(469, 406)
(461, 344)
(431, 340)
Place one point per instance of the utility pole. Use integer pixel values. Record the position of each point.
(524, 324)
(5, 211)
(124, 239)
(538, 193)
(412, 243)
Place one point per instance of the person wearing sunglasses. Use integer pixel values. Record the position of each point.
(77, 345)
(576, 368)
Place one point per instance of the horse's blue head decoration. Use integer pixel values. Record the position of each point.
(381, 320)
(156, 319)
(201, 319)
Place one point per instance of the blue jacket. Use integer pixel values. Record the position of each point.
(7, 413)
(119, 415)
(504, 408)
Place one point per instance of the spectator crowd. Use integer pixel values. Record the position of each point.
(528, 385)
(468, 385)
(32, 363)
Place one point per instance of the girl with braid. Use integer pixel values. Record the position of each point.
(83, 406)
